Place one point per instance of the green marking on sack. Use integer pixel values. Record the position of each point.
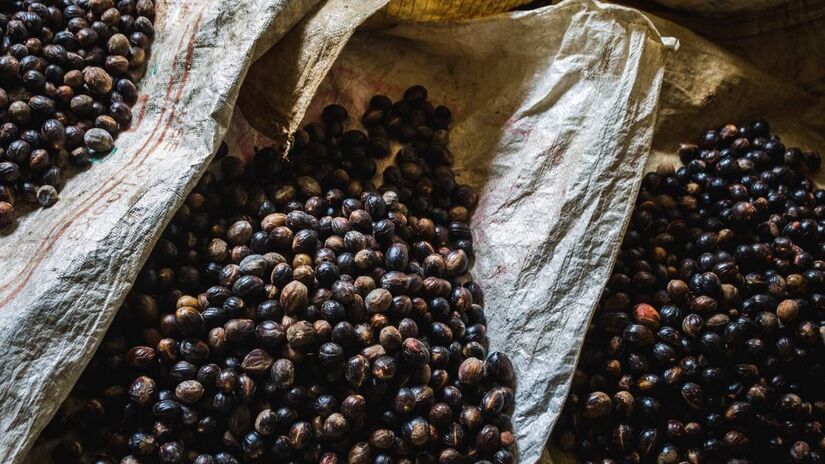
(96, 158)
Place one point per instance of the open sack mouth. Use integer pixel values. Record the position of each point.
(311, 315)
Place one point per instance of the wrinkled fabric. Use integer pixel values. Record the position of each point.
(65, 270)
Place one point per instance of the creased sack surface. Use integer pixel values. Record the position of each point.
(705, 87)
(554, 111)
(65, 270)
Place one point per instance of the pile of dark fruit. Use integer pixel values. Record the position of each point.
(707, 345)
(293, 312)
(67, 73)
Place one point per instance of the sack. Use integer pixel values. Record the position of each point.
(439, 10)
(65, 270)
(552, 124)
(784, 38)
